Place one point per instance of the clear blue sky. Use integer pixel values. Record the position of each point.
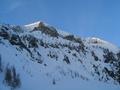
(86, 18)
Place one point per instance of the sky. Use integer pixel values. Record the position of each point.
(85, 18)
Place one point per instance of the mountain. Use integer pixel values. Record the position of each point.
(38, 56)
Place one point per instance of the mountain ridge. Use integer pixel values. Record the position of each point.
(40, 49)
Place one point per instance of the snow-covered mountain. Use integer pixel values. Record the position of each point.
(40, 57)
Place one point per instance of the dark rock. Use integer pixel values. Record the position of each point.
(95, 57)
(47, 30)
(66, 59)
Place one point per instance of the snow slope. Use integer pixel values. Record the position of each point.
(48, 59)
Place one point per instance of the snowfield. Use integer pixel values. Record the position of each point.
(40, 57)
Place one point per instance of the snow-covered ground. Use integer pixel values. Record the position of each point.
(45, 62)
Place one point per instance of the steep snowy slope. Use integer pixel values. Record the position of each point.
(37, 56)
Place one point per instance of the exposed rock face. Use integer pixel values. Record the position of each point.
(47, 30)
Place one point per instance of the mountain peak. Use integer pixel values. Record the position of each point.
(35, 24)
(101, 42)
